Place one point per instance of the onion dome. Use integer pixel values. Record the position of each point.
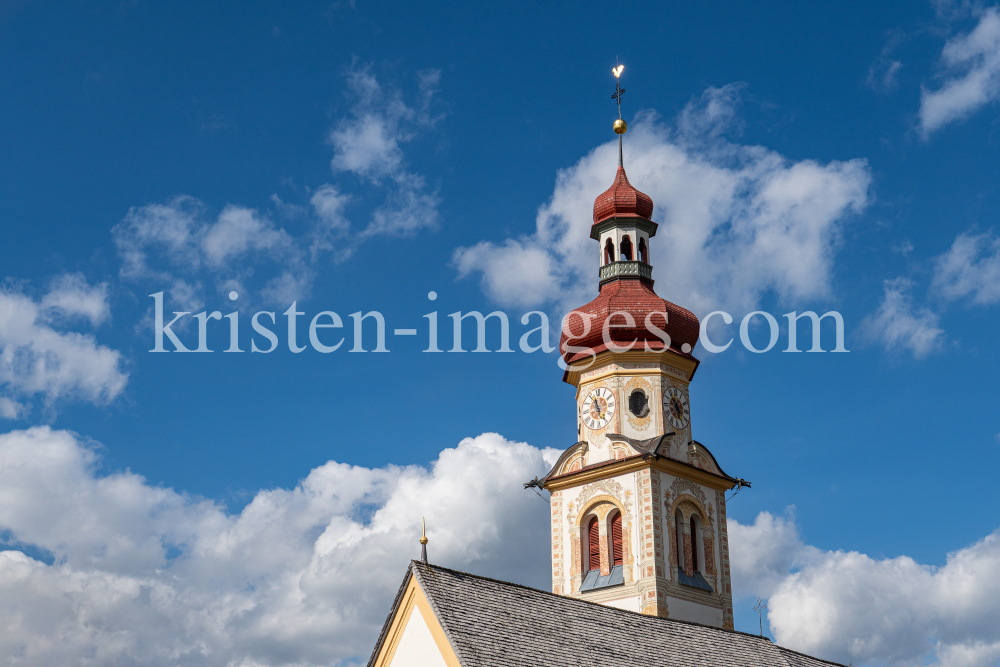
(638, 299)
(622, 200)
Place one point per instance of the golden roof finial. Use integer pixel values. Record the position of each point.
(423, 541)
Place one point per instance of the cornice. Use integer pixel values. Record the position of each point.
(686, 365)
(634, 464)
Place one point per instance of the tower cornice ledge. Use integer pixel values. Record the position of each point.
(608, 469)
(671, 358)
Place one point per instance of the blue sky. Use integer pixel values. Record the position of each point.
(356, 156)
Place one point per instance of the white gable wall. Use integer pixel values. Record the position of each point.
(417, 647)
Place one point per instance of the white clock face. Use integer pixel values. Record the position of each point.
(598, 408)
(675, 407)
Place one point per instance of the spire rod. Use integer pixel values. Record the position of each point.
(620, 125)
(423, 541)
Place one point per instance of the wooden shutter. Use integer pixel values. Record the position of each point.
(694, 545)
(616, 539)
(594, 544)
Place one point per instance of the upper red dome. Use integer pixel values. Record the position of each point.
(622, 200)
(636, 298)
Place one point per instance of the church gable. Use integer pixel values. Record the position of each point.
(412, 635)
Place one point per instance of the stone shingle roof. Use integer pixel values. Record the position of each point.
(498, 624)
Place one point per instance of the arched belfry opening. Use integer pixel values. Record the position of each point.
(626, 247)
(609, 252)
(642, 252)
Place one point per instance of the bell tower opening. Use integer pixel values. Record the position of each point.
(626, 249)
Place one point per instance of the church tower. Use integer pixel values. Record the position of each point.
(638, 507)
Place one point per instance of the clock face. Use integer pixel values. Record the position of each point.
(675, 407)
(598, 408)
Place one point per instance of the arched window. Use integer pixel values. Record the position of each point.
(616, 539)
(627, 249)
(694, 545)
(594, 544)
(642, 251)
(609, 252)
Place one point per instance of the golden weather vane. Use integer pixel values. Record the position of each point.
(620, 125)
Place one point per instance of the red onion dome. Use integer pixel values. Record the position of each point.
(638, 299)
(622, 200)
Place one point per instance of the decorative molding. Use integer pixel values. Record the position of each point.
(682, 485)
(558, 553)
(610, 488)
(639, 423)
(725, 589)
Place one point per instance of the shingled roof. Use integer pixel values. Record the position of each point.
(492, 623)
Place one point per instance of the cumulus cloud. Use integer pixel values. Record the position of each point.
(970, 269)
(125, 572)
(900, 325)
(767, 550)
(39, 358)
(849, 607)
(140, 574)
(972, 75)
(736, 221)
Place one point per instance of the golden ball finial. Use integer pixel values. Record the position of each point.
(620, 126)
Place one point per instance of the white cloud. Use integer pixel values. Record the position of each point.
(240, 230)
(39, 360)
(141, 574)
(406, 211)
(10, 409)
(145, 575)
(899, 325)
(970, 269)
(289, 286)
(328, 205)
(70, 296)
(368, 144)
(972, 70)
(849, 607)
(179, 245)
(171, 229)
(766, 551)
(736, 221)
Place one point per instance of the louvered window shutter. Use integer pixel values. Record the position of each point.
(594, 541)
(694, 545)
(616, 539)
